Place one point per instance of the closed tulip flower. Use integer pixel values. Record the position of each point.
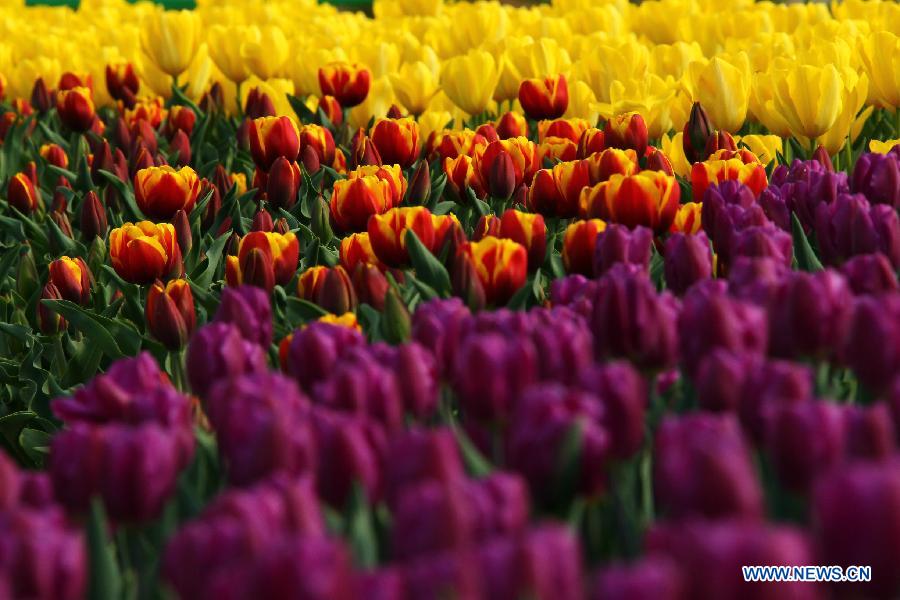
(688, 259)
(93, 221)
(524, 155)
(387, 233)
(271, 137)
(348, 82)
(397, 141)
(579, 242)
(461, 174)
(160, 192)
(723, 85)
(555, 192)
(512, 124)
(469, 80)
(263, 259)
(283, 183)
(877, 176)
(544, 98)
(804, 441)
(76, 108)
(415, 84)
(264, 51)
(218, 351)
(170, 313)
(122, 83)
(870, 274)
(528, 230)
(143, 252)
(502, 266)
(450, 144)
(809, 97)
(55, 155)
(627, 132)
(688, 218)
(22, 195)
(224, 43)
(170, 39)
(73, 278)
(319, 139)
(648, 198)
(354, 200)
(612, 161)
(850, 226)
(619, 245)
(356, 249)
(872, 345)
(703, 174)
(880, 56)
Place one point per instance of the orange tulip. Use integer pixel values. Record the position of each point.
(450, 144)
(648, 198)
(544, 98)
(578, 246)
(160, 192)
(271, 137)
(347, 82)
(354, 200)
(557, 149)
(263, 259)
(501, 265)
(145, 251)
(611, 161)
(72, 278)
(628, 132)
(687, 219)
(356, 249)
(76, 108)
(460, 172)
(571, 129)
(393, 174)
(524, 154)
(591, 141)
(397, 141)
(512, 124)
(527, 229)
(387, 233)
(319, 139)
(555, 192)
(22, 194)
(310, 281)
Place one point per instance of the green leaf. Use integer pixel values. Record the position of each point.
(428, 268)
(569, 461)
(803, 252)
(477, 465)
(213, 258)
(115, 337)
(105, 577)
(303, 112)
(125, 192)
(301, 311)
(522, 299)
(361, 529)
(35, 443)
(442, 208)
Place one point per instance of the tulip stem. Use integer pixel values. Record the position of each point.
(240, 108)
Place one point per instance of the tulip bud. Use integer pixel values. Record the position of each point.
(141, 159)
(396, 325)
(870, 274)
(75, 108)
(321, 221)
(121, 136)
(335, 293)
(502, 177)
(40, 96)
(283, 183)
(281, 226)
(511, 125)
(619, 245)
(627, 132)
(213, 100)
(529, 230)
(27, 280)
(22, 194)
(823, 158)
(370, 284)
(61, 220)
(93, 217)
(487, 225)
(310, 159)
(258, 105)
(465, 281)
(688, 259)
(233, 245)
(658, 161)
(122, 83)
(720, 140)
(256, 269)
(55, 155)
(877, 176)
(420, 185)
(49, 322)
(181, 147)
(696, 133)
(183, 231)
(489, 132)
(170, 313)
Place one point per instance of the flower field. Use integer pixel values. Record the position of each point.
(580, 300)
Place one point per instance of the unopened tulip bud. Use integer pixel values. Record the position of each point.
(22, 194)
(256, 269)
(141, 159)
(62, 221)
(658, 161)
(466, 283)
(121, 135)
(688, 260)
(183, 232)
(103, 160)
(335, 293)
(627, 132)
(420, 184)
(363, 151)
(40, 96)
(258, 105)
(396, 324)
(213, 100)
(370, 284)
(310, 159)
(823, 158)
(75, 108)
(122, 83)
(283, 183)
(233, 245)
(170, 313)
(262, 221)
(489, 132)
(180, 146)
(619, 245)
(696, 133)
(502, 177)
(281, 226)
(27, 280)
(510, 125)
(719, 140)
(49, 322)
(321, 223)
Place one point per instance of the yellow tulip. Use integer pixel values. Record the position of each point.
(415, 85)
(528, 59)
(397, 8)
(850, 120)
(224, 44)
(882, 147)
(723, 87)
(880, 54)
(765, 147)
(170, 39)
(304, 67)
(376, 104)
(673, 148)
(762, 105)
(266, 51)
(433, 120)
(469, 80)
(581, 103)
(809, 97)
(650, 97)
(603, 63)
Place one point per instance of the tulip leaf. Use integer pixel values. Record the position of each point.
(60, 172)
(360, 528)
(105, 578)
(521, 300)
(179, 97)
(301, 311)
(569, 464)
(105, 332)
(62, 243)
(803, 252)
(14, 228)
(125, 193)
(438, 183)
(35, 443)
(442, 208)
(303, 111)
(10, 256)
(425, 291)
(428, 268)
(213, 258)
(476, 463)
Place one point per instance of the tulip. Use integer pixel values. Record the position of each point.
(872, 344)
(461, 174)
(315, 349)
(592, 141)
(487, 225)
(501, 180)
(263, 259)
(319, 139)
(264, 50)
(143, 252)
(49, 322)
(72, 278)
(687, 219)
(572, 130)
(511, 124)
(331, 108)
(420, 184)
(356, 249)
(850, 226)
(612, 161)
(524, 155)
(93, 217)
(502, 266)
(688, 259)
(622, 393)
(761, 241)
(181, 118)
(690, 453)
(697, 131)
(555, 192)
(804, 441)
(724, 86)
(544, 98)
(22, 194)
(355, 200)
(349, 83)
(122, 83)
(870, 274)
(162, 191)
(627, 132)
(529, 231)
(649, 578)
(258, 105)
(387, 233)
(808, 97)
(361, 386)
(330, 288)
(397, 141)
(617, 244)
(877, 177)
(465, 282)
(55, 155)
(579, 242)
(283, 183)
(648, 198)
(451, 144)
(469, 80)
(271, 137)
(170, 39)
(170, 313)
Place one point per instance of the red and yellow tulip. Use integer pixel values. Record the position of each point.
(501, 265)
(648, 198)
(160, 192)
(263, 259)
(145, 251)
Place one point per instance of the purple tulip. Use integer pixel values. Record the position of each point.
(727, 208)
(877, 176)
(416, 373)
(870, 274)
(421, 455)
(713, 320)
(650, 578)
(217, 352)
(351, 452)
(249, 309)
(870, 431)
(755, 280)
(441, 576)
(630, 320)
(134, 469)
(41, 556)
(856, 521)
(363, 386)
(850, 226)
(688, 260)
(435, 516)
(574, 291)
(702, 467)
(315, 350)
(804, 441)
(623, 395)
(491, 373)
(618, 244)
(545, 418)
(710, 554)
(776, 207)
(809, 315)
(762, 241)
(384, 584)
(261, 422)
(872, 345)
(808, 187)
(563, 342)
(436, 325)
